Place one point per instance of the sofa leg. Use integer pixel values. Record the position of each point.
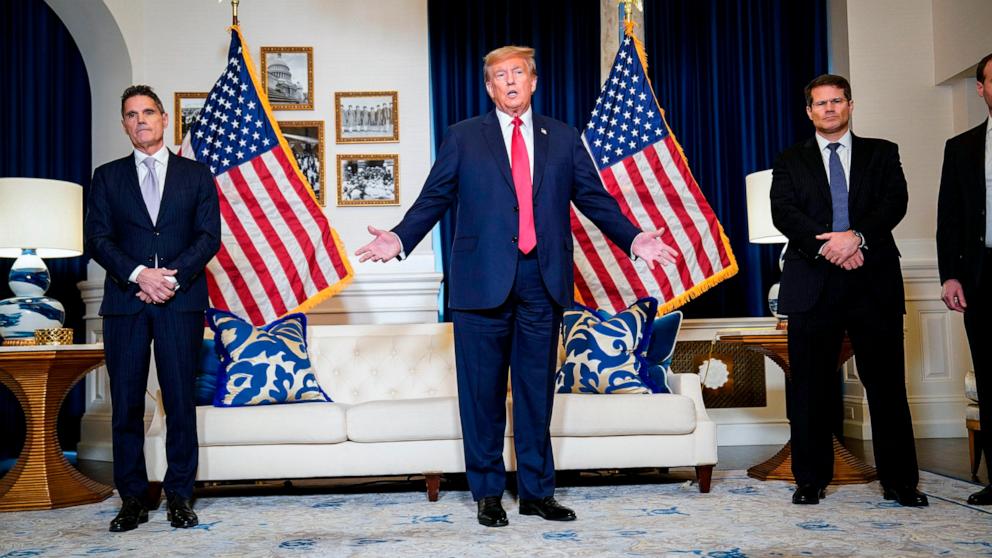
(433, 481)
(704, 474)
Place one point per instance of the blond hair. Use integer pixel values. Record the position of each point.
(509, 51)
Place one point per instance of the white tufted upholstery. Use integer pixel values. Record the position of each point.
(395, 411)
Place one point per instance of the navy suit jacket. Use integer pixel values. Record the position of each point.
(472, 172)
(120, 234)
(801, 209)
(961, 210)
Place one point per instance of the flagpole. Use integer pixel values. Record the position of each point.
(234, 11)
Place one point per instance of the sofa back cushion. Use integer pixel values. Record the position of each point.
(358, 363)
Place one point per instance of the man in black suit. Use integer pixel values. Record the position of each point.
(842, 274)
(964, 252)
(153, 223)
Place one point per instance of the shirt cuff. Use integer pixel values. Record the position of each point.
(134, 274)
(402, 255)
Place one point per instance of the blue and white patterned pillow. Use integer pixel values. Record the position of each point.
(262, 366)
(656, 359)
(602, 355)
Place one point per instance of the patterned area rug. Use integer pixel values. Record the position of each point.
(741, 517)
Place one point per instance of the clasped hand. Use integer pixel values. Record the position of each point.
(842, 249)
(157, 285)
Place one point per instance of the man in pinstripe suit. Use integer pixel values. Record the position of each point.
(153, 223)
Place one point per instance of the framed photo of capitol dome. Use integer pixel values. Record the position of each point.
(287, 77)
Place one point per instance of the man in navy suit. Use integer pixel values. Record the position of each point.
(837, 197)
(153, 223)
(964, 253)
(511, 175)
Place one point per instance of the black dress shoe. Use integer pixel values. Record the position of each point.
(548, 508)
(808, 494)
(132, 514)
(181, 514)
(491, 512)
(907, 496)
(981, 498)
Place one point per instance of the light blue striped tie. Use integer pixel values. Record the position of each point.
(838, 191)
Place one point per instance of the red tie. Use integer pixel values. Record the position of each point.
(520, 167)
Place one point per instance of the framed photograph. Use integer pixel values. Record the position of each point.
(366, 116)
(306, 139)
(287, 77)
(368, 180)
(186, 109)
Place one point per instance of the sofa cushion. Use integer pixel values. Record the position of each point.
(316, 423)
(601, 355)
(401, 420)
(208, 367)
(656, 360)
(622, 415)
(262, 365)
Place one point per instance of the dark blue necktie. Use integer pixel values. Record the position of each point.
(838, 191)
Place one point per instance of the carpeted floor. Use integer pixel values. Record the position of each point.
(740, 517)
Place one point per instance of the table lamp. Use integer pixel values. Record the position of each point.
(760, 228)
(41, 219)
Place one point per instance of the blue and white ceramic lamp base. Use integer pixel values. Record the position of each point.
(29, 309)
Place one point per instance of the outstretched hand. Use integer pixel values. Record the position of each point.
(649, 247)
(384, 247)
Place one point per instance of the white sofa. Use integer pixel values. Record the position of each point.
(395, 412)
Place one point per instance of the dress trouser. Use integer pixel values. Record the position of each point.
(978, 324)
(127, 343)
(876, 335)
(522, 334)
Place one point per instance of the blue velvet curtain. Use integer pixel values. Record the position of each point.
(565, 34)
(730, 76)
(44, 133)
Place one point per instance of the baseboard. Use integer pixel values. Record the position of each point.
(773, 432)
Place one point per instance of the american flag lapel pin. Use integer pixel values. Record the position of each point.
(543, 131)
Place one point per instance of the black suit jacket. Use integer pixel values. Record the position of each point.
(961, 209)
(801, 209)
(120, 234)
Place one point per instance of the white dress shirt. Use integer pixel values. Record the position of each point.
(161, 165)
(526, 130)
(844, 152)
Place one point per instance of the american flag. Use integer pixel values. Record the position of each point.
(278, 252)
(642, 166)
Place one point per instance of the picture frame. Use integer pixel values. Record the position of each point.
(287, 77)
(368, 179)
(366, 117)
(306, 141)
(186, 107)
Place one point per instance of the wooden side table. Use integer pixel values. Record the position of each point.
(41, 377)
(774, 343)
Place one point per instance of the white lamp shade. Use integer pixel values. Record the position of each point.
(760, 229)
(46, 215)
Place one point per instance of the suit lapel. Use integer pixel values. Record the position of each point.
(814, 160)
(171, 187)
(860, 155)
(132, 187)
(540, 150)
(494, 139)
(978, 156)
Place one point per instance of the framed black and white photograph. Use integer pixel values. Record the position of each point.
(306, 139)
(368, 180)
(186, 109)
(366, 116)
(287, 77)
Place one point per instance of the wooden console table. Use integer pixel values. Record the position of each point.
(774, 343)
(40, 377)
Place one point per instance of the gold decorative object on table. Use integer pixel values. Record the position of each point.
(53, 336)
(20, 342)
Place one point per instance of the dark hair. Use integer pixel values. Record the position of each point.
(136, 90)
(980, 71)
(827, 79)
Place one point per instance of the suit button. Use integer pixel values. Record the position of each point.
(149, 259)
(156, 233)
(516, 209)
(514, 239)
